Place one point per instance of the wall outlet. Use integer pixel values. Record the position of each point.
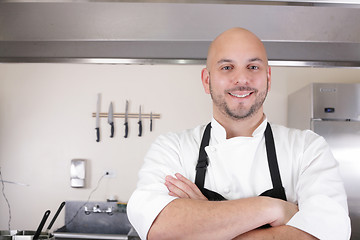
(110, 174)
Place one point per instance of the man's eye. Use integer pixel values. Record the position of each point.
(254, 67)
(226, 68)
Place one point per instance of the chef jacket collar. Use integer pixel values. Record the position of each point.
(218, 132)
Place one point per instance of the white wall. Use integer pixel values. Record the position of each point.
(45, 121)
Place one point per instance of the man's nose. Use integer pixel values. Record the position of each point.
(240, 77)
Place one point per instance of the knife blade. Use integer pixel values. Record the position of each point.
(140, 123)
(151, 121)
(111, 119)
(126, 119)
(97, 121)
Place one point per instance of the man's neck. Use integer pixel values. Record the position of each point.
(241, 127)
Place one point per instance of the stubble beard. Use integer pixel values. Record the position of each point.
(239, 113)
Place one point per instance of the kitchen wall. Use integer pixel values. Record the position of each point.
(46, 121)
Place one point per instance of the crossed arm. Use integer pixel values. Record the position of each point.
(192, 216)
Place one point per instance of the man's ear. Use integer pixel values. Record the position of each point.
(269, 78)
(205, 78)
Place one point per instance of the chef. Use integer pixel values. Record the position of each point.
(239, 176)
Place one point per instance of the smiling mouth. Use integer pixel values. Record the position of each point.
(240, 96)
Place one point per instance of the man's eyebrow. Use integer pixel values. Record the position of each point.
(256, 59)
(224, 60)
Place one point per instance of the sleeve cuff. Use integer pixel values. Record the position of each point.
(148, 206)
(323, 218)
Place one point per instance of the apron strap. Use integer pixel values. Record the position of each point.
(272, 159)
(203, 161)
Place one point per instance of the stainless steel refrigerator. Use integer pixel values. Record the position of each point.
(332, 110)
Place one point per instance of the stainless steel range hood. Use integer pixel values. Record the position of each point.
(296, 33)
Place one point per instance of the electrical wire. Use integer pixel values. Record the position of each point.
(88, 200)
(7, 201)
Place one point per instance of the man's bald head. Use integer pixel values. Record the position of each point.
(235, 41)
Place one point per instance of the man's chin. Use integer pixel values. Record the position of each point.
(239, 115)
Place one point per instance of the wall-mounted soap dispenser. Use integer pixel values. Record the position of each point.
(77, 173)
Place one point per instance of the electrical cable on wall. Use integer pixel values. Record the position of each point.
(87, 201)
(7, 201)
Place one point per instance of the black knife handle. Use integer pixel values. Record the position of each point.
(42, 223)
(140, 128)
(126, 129)
(112, 129)
(97, 134)
(56, 215)
(150, 125)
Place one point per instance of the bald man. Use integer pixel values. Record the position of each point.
(239, 177)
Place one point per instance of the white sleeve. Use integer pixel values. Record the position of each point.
(151, 195)
(323, 210)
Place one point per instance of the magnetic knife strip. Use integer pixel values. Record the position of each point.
(130, 115)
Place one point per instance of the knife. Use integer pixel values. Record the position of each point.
(151, 121)
(97, 123)
(139, 122)
(111, 119)
(42, 223)
(126, 119)
(55, 217)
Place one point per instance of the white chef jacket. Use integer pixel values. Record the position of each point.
(238, 168)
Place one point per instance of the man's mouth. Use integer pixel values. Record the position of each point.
(240, 95)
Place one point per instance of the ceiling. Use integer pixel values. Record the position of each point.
(295, 33)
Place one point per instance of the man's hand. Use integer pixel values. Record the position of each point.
(183, 188)
(284, 211)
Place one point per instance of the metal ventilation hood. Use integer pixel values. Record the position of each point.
(295, 33)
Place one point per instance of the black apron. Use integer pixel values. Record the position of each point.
(277, 191)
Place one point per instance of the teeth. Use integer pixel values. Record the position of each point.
(240, 96)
